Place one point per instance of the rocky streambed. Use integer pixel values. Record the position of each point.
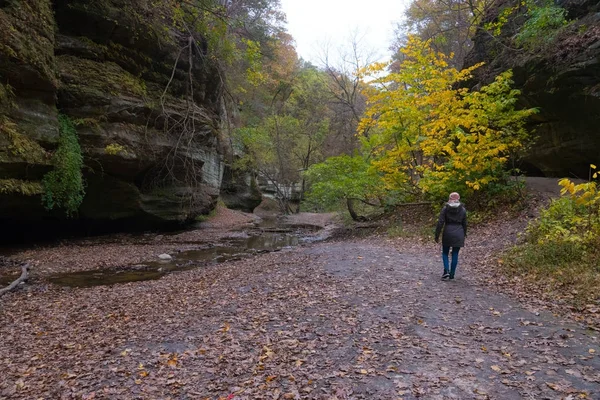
(120, 258)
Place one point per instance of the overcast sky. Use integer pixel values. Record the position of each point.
(313, 22)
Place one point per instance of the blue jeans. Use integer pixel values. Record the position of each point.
(445, 251)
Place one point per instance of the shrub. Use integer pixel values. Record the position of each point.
(63, 186)
(541, 27)
(562, 245)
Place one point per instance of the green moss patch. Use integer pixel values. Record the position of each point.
(99, 78)
(27, 37)
(6, 98)
(22, 187)
(20, 145)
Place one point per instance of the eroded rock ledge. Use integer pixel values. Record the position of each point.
(106, 64)
(562, 80)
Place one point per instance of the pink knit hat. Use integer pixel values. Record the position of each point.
(454, 197)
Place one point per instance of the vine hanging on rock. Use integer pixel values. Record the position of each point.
(63, 186)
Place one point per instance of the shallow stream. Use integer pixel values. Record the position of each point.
(230, 249)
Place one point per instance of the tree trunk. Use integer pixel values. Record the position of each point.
(301, 196)
(350, 204)
(22, 278)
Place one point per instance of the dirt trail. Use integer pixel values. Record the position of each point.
(353, 319)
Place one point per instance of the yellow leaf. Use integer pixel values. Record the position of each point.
(364, 371)
(591, 351)
(271, 377)
(144, 374)
(138, 381)
(496, 368)
(592, 166)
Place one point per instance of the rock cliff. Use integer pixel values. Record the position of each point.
(562, 79)
(123, 73)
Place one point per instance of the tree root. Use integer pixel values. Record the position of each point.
(24, 276)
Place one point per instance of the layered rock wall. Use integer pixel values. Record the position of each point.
(121, 71)
(561, 79)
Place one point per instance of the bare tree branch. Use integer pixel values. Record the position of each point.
(24, 276)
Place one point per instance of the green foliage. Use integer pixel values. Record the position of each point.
(574, 218)
(286, 129)
(562, 245)
(495, 27)
(563, 221)
(254, 73)
(542, 25)
(341, 178)
(544, 19)
(18, 186)
(429, 134)
(269, 146)
(63, 186)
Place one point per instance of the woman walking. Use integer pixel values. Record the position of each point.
(453, 221)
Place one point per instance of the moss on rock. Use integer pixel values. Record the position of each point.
(22, 187)
(27, 41)
(98, 79)
(21, 146)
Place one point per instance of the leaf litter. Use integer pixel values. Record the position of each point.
(346, 319)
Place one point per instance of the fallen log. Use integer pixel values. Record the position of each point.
(24, 276)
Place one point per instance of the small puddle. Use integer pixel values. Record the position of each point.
(234, 249)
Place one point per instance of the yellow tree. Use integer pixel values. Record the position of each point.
(433, 136)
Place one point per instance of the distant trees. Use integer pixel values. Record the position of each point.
(394, 132)
(449, 25)
(427, 137)
(289, 136)
(297, 115)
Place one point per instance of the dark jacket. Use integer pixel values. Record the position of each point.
(454, 222)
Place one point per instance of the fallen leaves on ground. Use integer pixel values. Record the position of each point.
(315, 322)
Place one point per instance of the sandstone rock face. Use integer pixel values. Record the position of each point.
(240, 190)
(122, 74)
(562, 80)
